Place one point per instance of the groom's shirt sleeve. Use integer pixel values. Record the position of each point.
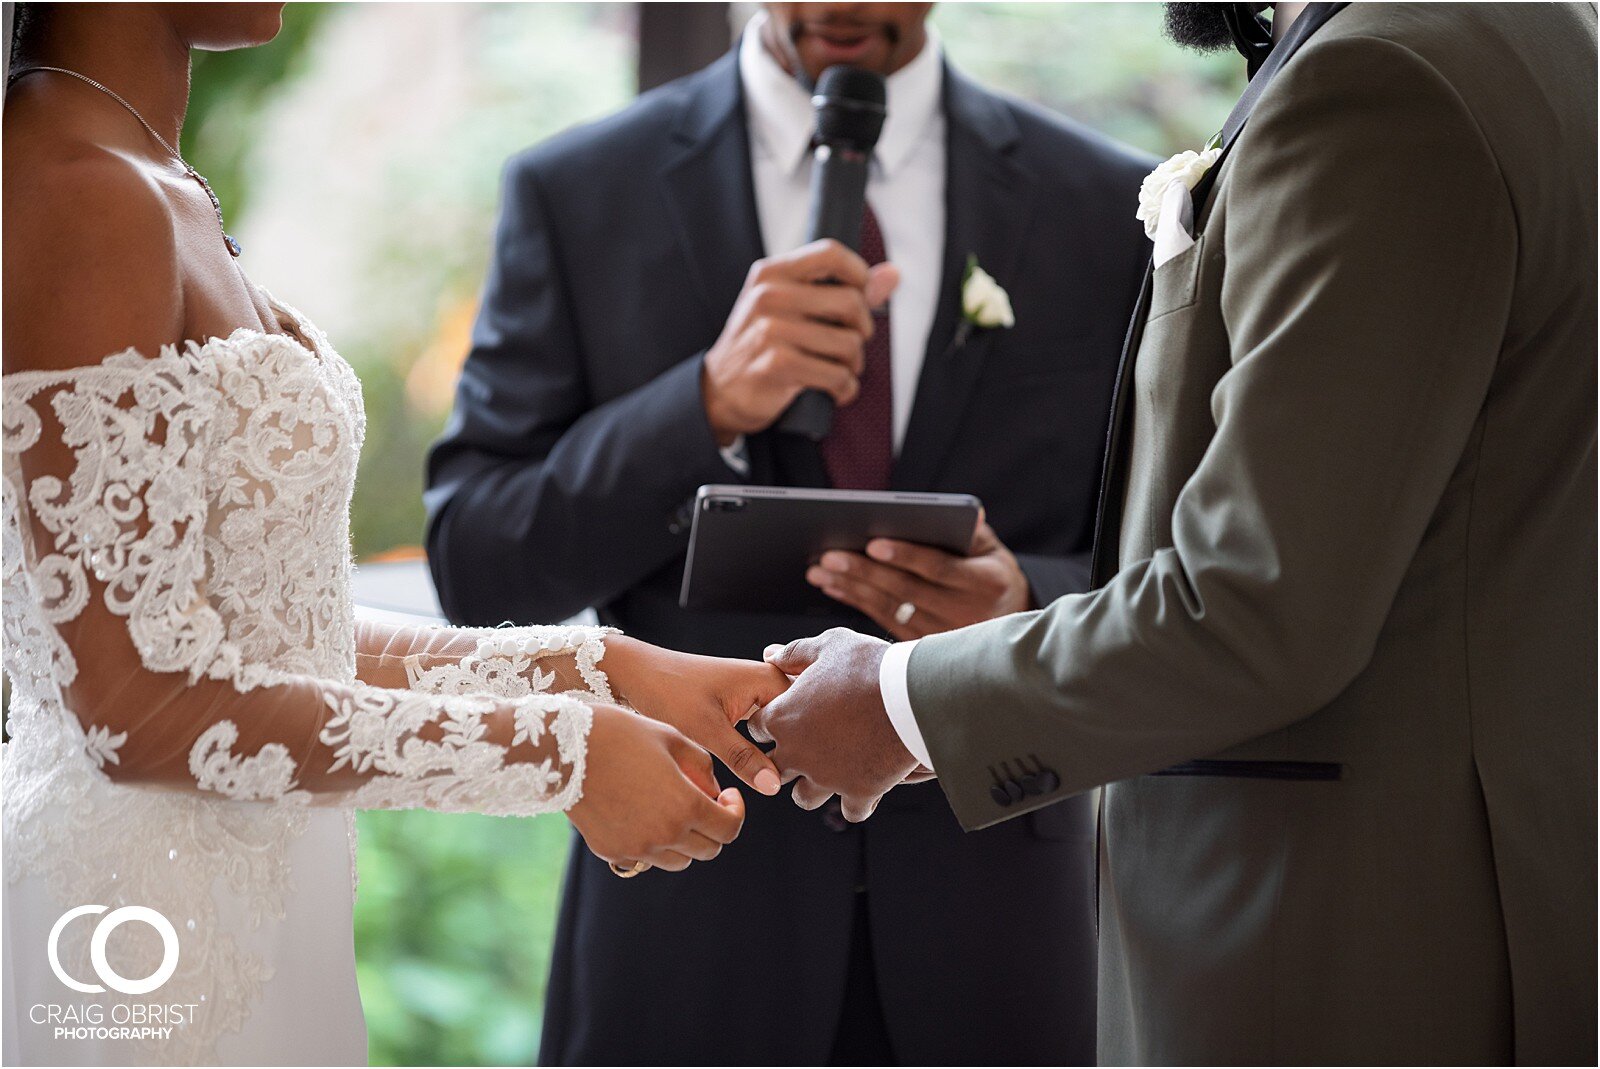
(897, 700)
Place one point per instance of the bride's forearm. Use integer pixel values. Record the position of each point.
(630, 665)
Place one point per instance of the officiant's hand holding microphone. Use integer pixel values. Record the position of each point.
(800, 323)
(794, 345)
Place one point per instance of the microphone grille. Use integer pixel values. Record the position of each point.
(851, 104)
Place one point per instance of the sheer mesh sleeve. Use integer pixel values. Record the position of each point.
(162, 627)
(509, 662)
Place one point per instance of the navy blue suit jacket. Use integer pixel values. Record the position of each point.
(562, 481)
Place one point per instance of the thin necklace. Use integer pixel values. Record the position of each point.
(216, 205)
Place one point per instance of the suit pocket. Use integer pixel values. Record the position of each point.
(1176, 283)
(1292, 770)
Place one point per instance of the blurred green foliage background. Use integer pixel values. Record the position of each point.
(357, 157)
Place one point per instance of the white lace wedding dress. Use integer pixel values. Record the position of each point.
(196, 712)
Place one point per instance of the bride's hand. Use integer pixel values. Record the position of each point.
(703, 697)
(649, 794)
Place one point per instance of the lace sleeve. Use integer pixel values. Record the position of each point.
(150, 633)
(509, 662)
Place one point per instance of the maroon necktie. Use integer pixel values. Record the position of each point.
(859, 452)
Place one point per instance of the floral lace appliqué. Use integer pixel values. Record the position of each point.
(207, 504)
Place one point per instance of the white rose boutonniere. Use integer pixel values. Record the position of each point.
(984, 303)
(1186, 167)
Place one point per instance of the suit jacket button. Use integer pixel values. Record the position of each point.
(1049, 781)
(1006, 792)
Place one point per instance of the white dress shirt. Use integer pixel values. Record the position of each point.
(897, 700)
(905, 187)
(1283, 16)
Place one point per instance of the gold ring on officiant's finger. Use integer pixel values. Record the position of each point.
(628, 872)
(904, 613)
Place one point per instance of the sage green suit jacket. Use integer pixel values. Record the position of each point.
(1351, 520)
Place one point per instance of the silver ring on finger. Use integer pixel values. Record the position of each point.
(904, 613)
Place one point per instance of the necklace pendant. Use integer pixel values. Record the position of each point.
(233, 246)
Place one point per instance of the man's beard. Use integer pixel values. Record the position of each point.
(1199, 26)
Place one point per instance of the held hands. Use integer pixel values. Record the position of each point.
(650, 794)
(703, 697)
(832, 732)
(788, 333)
(945, 591)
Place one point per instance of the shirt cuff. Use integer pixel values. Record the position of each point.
(736, 456)
(897, 700)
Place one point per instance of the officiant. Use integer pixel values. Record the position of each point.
(647, 317)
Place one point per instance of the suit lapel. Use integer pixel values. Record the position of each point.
(1310, 20)
(1114, 474)
(709, 189)
(988, 202)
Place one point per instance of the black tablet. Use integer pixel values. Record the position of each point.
(751, 545)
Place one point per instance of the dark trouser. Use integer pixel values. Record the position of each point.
(863, 1035)
(964, 948)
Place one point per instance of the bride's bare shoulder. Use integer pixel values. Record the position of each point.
(89, 254)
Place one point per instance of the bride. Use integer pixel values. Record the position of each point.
(195, 711)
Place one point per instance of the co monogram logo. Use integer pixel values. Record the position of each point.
(97, 949)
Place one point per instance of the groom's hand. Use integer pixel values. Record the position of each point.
(832, 732)
(945, 591)
(788, 333)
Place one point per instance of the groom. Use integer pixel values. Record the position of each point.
(1342, 666)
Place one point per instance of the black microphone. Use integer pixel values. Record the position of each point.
(851, 104)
